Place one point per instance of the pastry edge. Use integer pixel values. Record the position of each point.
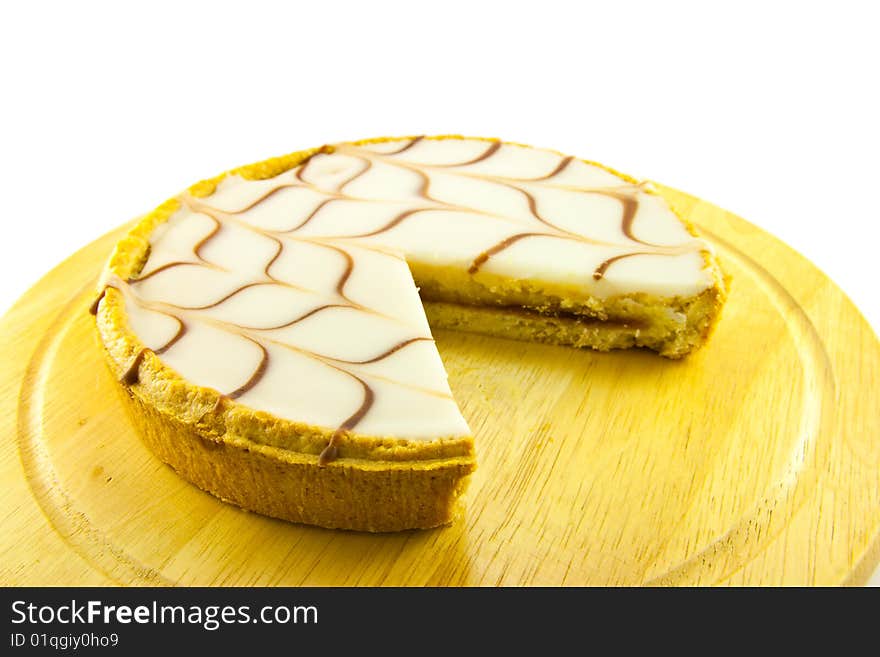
(283, 484)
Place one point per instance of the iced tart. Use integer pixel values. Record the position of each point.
(271, 327)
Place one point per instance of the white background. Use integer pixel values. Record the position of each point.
(768, 109)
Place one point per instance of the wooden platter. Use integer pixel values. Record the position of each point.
(755, 461)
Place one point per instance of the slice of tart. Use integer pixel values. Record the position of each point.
(270, 328)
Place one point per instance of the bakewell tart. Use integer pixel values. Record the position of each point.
(271, 327)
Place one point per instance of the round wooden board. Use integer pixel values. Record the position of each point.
(756, 461)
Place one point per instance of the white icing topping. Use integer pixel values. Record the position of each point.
(292, 295)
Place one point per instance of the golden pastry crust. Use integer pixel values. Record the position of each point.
(270, 465)
(369, 495)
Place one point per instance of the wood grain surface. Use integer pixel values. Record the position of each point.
(756, 461)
